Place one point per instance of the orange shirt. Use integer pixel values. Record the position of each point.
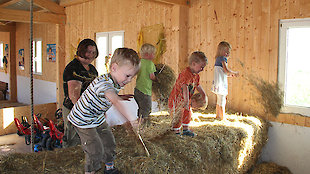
(189, 79)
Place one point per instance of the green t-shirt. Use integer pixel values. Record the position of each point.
(143, 82)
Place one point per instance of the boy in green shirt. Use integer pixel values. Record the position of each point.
(143, 89)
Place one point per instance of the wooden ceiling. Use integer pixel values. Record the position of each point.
(47, 11)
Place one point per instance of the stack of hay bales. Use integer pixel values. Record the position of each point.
(230, 146)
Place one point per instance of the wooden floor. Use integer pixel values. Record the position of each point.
(7, 104)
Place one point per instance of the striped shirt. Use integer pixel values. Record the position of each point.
(89, 111)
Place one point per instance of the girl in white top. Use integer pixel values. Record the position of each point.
(221, 72)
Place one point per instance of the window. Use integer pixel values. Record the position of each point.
(37, 56)
(1, 55)
(107, 43)
(294, 60)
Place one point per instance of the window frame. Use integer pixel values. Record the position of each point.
(109, 36)
(284, 25)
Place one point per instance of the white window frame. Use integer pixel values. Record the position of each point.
(1, 54)
(284, 25)
(109, 50)
(37, 56)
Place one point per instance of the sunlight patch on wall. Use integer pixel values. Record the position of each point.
(8, 117)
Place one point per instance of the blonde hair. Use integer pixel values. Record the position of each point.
(147, 48)
(221, 46)
(124, 56)
(198, 57)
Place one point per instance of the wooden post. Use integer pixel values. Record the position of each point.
(12, 65)
(61, 60)
(179, 25)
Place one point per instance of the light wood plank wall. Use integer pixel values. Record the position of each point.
(251, 26)
(47, 32)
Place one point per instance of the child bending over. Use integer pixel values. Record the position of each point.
(88, 114)
(184, 88)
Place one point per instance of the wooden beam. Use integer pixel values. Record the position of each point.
(67, 3)
(24, 16)
(7, 28)
(8, 3)
(49, 6)
(173, 2)
(60, 62)
(180, 33)
(12, 64)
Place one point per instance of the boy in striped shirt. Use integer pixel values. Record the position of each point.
(88, 114)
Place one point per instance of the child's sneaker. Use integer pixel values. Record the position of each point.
(178, 134)
(189, 133)
(112, 171)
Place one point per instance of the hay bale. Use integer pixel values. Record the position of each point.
(270, 168)
(162, 87)
(231, 146)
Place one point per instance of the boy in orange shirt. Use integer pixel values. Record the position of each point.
(184, 88)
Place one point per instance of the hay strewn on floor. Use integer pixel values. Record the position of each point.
(230, 146)
(270, 168)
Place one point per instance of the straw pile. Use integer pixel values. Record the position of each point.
(163, 85)
(271, 96)
(230, 146)
(270, 168)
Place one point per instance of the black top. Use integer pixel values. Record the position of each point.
(76, 71)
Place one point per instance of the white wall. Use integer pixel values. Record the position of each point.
(288, 146)
(43, 91)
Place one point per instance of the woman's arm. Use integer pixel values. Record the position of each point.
(74, 90)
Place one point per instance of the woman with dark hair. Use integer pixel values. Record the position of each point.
(78, 74)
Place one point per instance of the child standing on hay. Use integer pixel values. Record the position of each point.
(184, 88)
(221, 71)
(143, 89)
(88, 114)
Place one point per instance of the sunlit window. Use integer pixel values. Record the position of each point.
(37, 56)
(294, 60)
(107, 43)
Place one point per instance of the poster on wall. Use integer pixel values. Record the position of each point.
(6, 58)
(21, 59)
(51, 52)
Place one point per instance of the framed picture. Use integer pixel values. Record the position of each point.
(51, 52)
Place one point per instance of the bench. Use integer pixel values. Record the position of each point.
(3, 90)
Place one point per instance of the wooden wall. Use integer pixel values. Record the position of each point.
(251, 26)
(47, 32)
(5, 39)
(84, 20)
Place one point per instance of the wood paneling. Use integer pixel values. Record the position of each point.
(251, 26)
(46, 32)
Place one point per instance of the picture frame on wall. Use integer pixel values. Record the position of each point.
(21, 59)
(51, 52)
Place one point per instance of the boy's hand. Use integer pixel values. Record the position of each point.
(126, 97)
